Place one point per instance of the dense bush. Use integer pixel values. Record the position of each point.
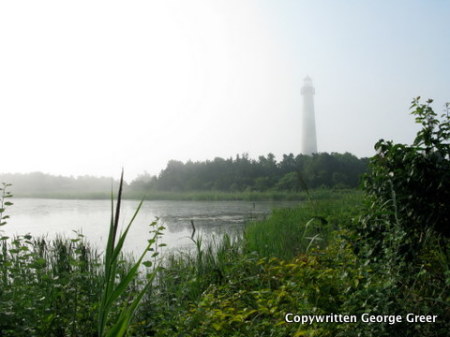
(404, 231)
(415, 179)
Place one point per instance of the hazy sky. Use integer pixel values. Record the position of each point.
(87, 87)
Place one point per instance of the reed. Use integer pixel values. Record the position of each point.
(113, 290)
(292, 231)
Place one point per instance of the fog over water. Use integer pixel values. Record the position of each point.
(87, 87)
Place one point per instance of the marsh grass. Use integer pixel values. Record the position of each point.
(291, 231)
(48, 287)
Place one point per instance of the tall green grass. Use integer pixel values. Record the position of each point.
(291, 231)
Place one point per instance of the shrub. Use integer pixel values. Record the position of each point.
(415, 179)
(404, 232)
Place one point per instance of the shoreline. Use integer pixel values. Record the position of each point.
(196, 195)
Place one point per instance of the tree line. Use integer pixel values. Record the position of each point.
(38, 184)
(291, 173)
(239, 174)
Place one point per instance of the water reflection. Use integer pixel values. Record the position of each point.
(91, 217)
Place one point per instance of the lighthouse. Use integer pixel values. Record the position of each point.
(309, 141)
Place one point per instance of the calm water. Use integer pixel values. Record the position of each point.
(91, 217)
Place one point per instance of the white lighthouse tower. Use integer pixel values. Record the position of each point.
(309, 141)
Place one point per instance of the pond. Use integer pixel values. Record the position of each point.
(51, 217)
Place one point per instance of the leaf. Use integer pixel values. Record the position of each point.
(111, 290)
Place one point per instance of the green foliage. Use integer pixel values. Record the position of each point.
(181, 281)
(291, 231)
(415, 179)
(218, 277)
(220, 196)
(265, 174)
(403, 232)
(219, 179)
(48, 288)
(290, 181)
(257, 293)
(4, 203)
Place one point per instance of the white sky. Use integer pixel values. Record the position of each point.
(87, 87)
